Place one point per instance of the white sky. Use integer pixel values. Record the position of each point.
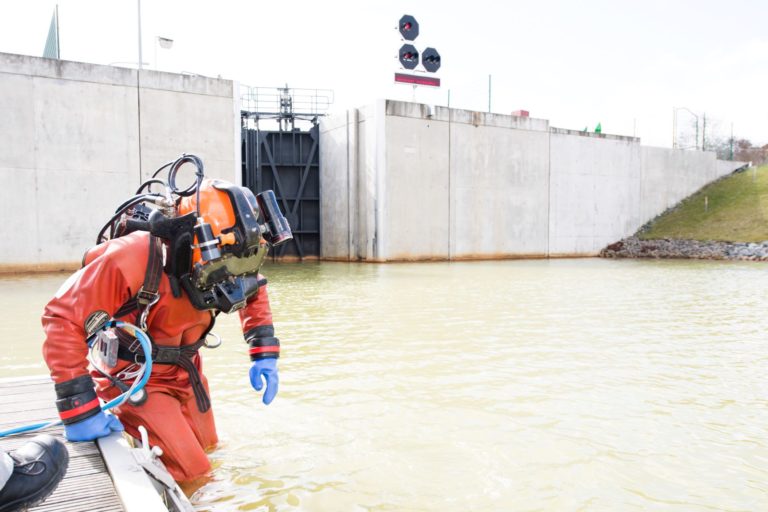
(622, 63)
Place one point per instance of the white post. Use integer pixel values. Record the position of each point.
(141, 57)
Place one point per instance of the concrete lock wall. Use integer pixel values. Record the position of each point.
(77, 139)
(349, 159)
(594, 191)
(405, 181)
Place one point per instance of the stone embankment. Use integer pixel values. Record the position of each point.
(634, 247)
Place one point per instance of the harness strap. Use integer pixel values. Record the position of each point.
(146, 297)
(148, 290)
(147, 294)
(179, 356)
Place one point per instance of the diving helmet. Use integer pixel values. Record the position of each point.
(229, 243)
(211, 229)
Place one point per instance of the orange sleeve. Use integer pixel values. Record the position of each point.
(256, 312)
(256, 320)
(91, 294)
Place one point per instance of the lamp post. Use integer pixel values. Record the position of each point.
(674, 125)
(141, 57)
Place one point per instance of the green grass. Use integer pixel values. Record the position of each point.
(737, 211)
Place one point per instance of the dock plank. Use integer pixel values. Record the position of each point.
(87, 484)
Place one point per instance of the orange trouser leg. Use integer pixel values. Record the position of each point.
(179, 428)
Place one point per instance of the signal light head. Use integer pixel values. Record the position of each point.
(409, 56)
(408, 27)
(430, 59)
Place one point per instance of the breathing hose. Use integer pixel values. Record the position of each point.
(137, 386)
(170, 188)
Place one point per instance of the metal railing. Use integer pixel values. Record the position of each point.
(284, 100)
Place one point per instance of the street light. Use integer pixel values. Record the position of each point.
(674, 125)
(164, 43)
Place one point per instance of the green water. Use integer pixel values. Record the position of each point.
(591, 385)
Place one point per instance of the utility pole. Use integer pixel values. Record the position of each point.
(697, 132)
(141, 57)
(704, 133)
(674, 128)
(731, 142)
(489, 94)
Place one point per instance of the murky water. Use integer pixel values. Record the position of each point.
(587, 385)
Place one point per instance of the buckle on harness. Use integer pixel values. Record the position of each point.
(146, 298)
(166, 355)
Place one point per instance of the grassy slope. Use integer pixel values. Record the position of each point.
(737, 212)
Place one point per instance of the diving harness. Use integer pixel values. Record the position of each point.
(218, 272)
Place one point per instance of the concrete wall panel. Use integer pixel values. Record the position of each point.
(416, 219)
(671, 175)
(68, 226)
(334, 177)
(20, 222)
(500, 189)
(17, 122)
(728, 166)
(366, 184)
(85, 126)
(174, 122)
(595, 183)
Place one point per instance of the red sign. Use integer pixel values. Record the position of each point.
(402, 78)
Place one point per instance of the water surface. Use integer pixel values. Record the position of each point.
(592, 385)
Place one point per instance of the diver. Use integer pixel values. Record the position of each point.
(30, 473)
(170, 262)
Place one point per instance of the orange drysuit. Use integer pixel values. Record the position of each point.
(113, 273)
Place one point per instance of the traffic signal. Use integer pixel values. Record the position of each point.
(430, 59)
(409, 27)
(409, 56)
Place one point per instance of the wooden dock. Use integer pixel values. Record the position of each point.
(87, 485)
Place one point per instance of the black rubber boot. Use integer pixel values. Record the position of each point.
(38, 467)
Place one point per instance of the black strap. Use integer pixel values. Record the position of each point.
(128, 307)
(148, 291)
(154, 272)
(179, 356)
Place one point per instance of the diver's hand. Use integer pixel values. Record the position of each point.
(100, 425)
(266, 369)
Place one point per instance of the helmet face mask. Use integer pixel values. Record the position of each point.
(228, 245)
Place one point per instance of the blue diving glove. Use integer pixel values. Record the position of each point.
(94, 427)
(266, 369)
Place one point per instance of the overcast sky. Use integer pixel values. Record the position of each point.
(625, 64)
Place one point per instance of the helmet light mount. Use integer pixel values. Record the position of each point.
(276, 229)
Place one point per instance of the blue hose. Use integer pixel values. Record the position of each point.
(146, 347)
